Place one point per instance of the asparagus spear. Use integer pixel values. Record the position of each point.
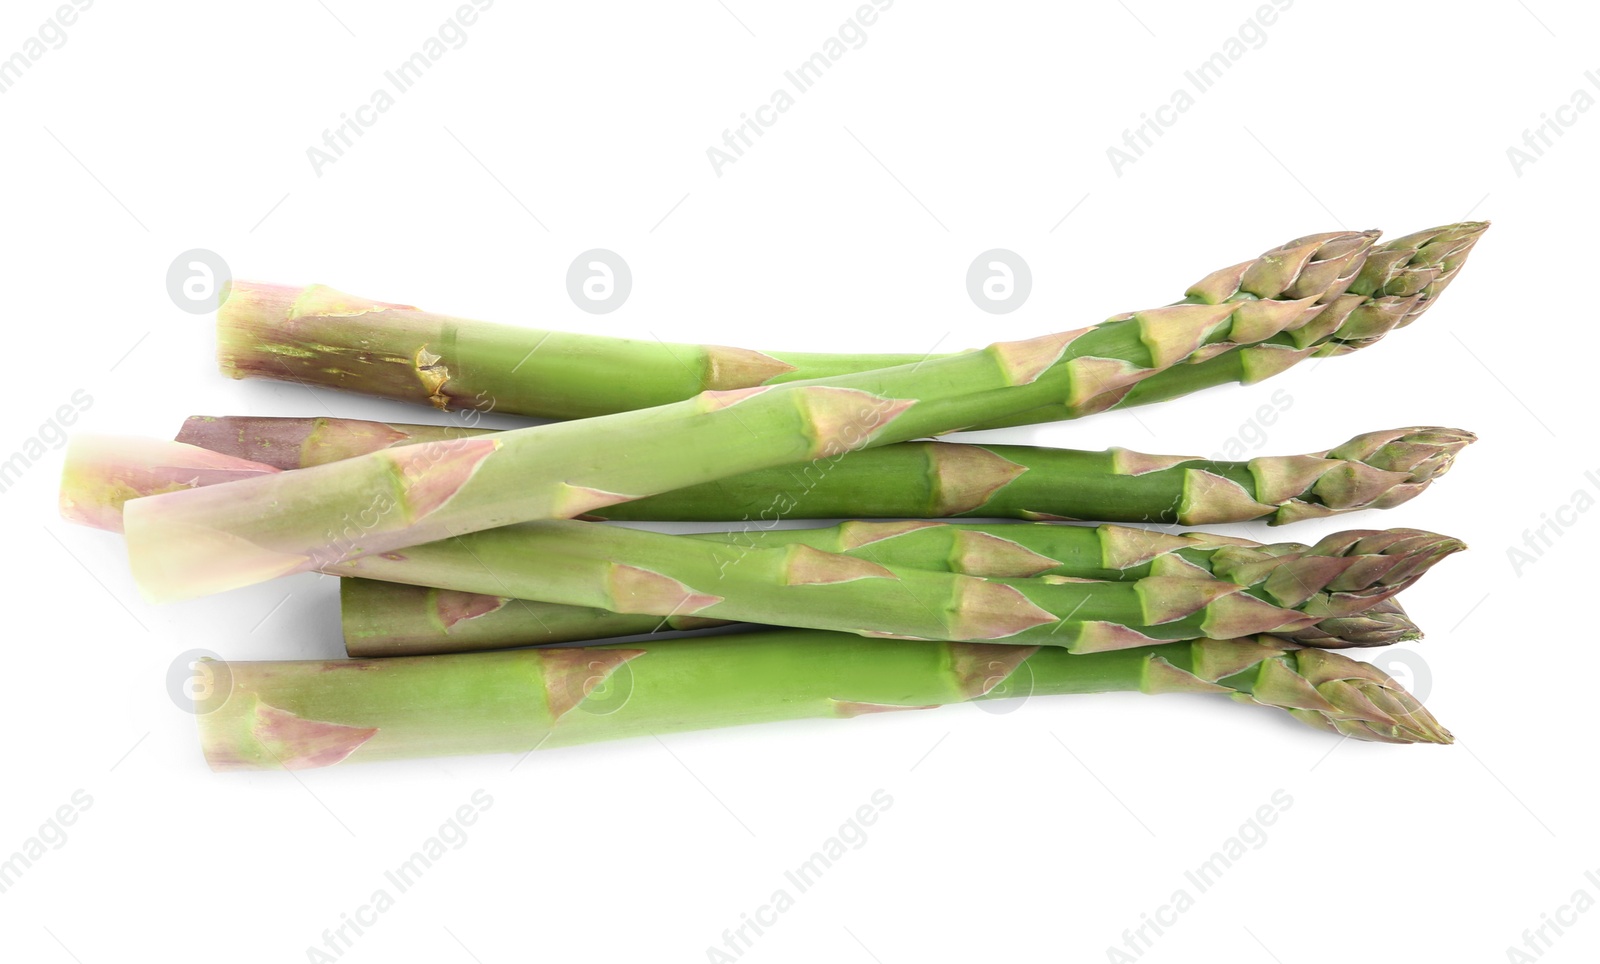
(1381, 625)
(395, 619)
(1167, 587)
(945, 479)
(318, 336)
(1409, 272)
(103, 472)
(185, 544)
(299, 715)
(1274, 589)
(1339, 578)
(399, 352)
(1404, 278)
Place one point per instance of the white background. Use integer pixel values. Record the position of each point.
(849, 225)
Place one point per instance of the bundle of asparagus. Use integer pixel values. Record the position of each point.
(453, 541)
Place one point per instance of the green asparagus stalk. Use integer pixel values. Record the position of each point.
(185, 544)
(949, 479)
(1399, 280)
(300, 715)
(399, 352)
(1409, 272)
(319, 336)
(395, 619)
(103, 472)
(1340, 578)
(1382, 625)
(941, 479)
(634, 571)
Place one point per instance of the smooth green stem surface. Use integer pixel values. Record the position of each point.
(299, 715)
(945, 479)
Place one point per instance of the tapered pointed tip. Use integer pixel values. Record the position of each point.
(432, 473)
(1160, 676)
(857, 533)
(741, 368)
(1123, 547)
(1382, 624)
(1022, 362)
(806, 566)
(1242, 614)
(1209, 498)
(570, 674)
(1093, 377)
(840, 420)
(635, 590)
(1421, 264)
(1175, 332)
(965, 476)
(1365, 696)
(993, 610)
(1100, 636)
(1423, 453)
(979, 667)
(451, 607)
(1165, 599)
(1274, 271)
(978, 553)
(1128, 462)
(275, 738)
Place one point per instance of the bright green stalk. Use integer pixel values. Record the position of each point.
(185, 544)
(1282, 590)
(784, 576)
(1399, 280)
(395, 619)
(1081, 588)
(941, 479)
(299, 715)
(947, 479)
(319, 336)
